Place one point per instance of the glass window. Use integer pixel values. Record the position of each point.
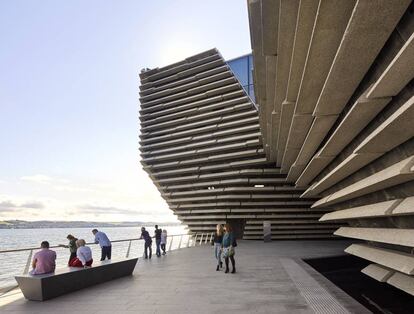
(243, 70)
(239, 67)
(250, 69)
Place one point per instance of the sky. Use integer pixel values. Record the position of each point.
(69, 99)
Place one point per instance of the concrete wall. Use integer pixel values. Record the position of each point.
(340, 122)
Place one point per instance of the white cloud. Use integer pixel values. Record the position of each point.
(108, 210)
(38, 178)
(11, 206)
(124, 196)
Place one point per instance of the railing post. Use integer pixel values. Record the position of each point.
(129, 249)
(188, 242)
(181, 239)
(169, 247)
(201, 239)
(29, 259)
(206, 239)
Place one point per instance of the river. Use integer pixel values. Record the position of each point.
(14, 263)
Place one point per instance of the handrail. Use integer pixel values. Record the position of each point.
(192, 237)
(89, 243)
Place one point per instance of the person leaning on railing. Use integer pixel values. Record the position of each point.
(83, 255)
(71, 246)
(104, 243)
(148, 242)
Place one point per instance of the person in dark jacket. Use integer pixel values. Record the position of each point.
(72, 247)
(228, 248)
(157, 236)
(148, 242)
(217, 240)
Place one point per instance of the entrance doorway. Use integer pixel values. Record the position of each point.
(238, 227)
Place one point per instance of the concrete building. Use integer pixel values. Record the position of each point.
(201, 144)
(334, 87)
(322, 145)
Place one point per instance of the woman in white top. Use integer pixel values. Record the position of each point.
(83, 255)
(163, 241)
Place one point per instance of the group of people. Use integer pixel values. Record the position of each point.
(44, 261)
(224, 243)
(160, 241)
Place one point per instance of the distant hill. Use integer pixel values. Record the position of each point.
(22, 224)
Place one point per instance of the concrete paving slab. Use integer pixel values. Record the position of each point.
(185, 281)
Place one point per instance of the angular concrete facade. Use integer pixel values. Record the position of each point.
(335, 92)
(201, 144)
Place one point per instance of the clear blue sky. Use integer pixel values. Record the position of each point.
(69, 99)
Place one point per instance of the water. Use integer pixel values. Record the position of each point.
(14, 263)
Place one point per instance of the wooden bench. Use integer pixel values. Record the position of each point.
(69, 279)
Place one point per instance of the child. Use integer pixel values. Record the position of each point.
(163, 241)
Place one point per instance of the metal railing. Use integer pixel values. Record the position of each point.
(192, 240)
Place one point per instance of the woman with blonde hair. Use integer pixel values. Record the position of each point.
(83, 255)
(228, 247)
(218, 238)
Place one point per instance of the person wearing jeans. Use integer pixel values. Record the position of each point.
(104, 243)
(157, 236)
(217, 240)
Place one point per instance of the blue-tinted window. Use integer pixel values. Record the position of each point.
(242, 68)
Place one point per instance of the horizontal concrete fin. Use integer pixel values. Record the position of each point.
(396, 174)
(378, 272)
(403, 237)
(395, 260)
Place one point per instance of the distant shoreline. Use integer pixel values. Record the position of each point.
(46, 224)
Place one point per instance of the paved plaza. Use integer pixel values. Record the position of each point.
(270, 278)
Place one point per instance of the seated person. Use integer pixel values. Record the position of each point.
(83, 255)
(44, 261)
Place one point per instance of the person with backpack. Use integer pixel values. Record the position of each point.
(228, 243)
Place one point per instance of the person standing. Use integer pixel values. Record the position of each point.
(44, 261)
(104, 243)
(83, 255)
(72, 247)
(148, 242)
(163, 241)
(217, 242)
(157, 236)
(228, 248)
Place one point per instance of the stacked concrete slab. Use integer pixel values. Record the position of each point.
(335, 92)
(201, 144)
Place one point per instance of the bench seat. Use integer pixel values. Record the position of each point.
(69, 279)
